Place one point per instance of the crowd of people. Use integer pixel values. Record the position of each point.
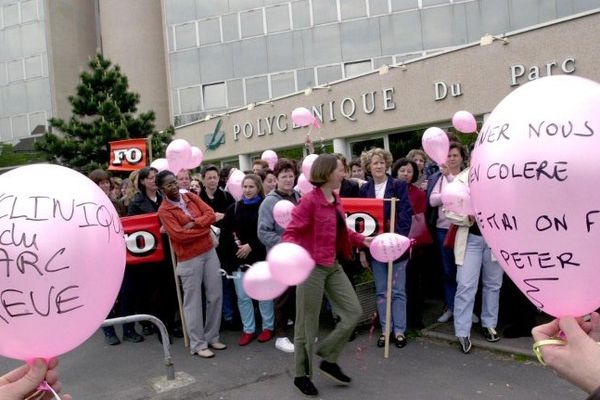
(449, 250)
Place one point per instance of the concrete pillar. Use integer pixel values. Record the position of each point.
(245, 162)
(341, 146)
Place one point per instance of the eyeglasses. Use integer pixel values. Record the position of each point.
(169, 184)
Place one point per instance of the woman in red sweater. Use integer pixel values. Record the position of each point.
(319, 225)
(187, 220)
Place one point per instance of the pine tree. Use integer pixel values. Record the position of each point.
(103, 111)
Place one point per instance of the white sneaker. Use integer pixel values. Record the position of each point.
(475, 319)
(284, 344)
(446, 316)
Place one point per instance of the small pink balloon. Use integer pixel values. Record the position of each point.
(464, 121)
(307, 164)
(195, 159)
(160, 164)
(63, 267)
(388, 247)
(259, 284)
(456, 197)
(304, 186)
(436, 144)
(289, 263)
(270, 157)
(178, 154)
(302, 117)
(282, 212)
(234, 184)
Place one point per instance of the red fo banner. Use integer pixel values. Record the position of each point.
(127, 155)
(143, 239)
(364, 215)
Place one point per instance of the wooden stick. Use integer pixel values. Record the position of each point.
(149, 138)
(186, 339)
(388, 299)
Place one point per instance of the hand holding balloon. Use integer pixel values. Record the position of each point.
(23, 382)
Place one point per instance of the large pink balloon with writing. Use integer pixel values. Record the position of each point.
(259, 284)
(289, 263)
(282, 212)
(456, 197)
(61, 260)
(533, 180)
(388, 247)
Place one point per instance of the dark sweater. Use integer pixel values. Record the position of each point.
(219, 203)
(243, 221)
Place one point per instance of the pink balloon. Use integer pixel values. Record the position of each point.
(282, 212)
(234, 184)
(307, 164)
(304, 185)
(464, 121)
(160, 164)
(179, 153)
(302, 117)
(436, 144)
(456, 197)
(270, 157)
(63, 260)
(532, 179)
(259, 284)
(289, 263)
(195, 159)
(388, 247)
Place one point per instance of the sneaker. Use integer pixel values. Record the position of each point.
(381, 341)
(304, 384)
(133, 337)
(446, 316)
(475, 319)
(205, 353)
(333, 371)
(218, 345)
(111, 340)
(265, 336)
(490, 334)
(246, 338)
(400, 340)
(284, 344)
(465, 344)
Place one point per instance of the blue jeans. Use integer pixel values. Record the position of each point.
(448, 269)
(228, 312)
(267, 311)
(478, 261)
(380, 273)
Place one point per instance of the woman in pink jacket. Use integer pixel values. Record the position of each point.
(319, 225)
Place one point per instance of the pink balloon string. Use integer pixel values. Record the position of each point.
(44, 387)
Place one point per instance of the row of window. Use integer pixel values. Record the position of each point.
(18, 126)
(22, 69)
(285, 17)
(22, 41)
(239, 92)
(19, 12)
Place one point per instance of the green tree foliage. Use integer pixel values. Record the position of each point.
(103, 111)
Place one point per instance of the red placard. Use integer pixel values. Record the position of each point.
(364, 215)
(127, 155)
(143, 239)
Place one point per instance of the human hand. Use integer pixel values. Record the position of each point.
(363, 260)
(189, 225)
(578, 361)
(243, 251)
(22, 383)
(368, 240)
(162, 229)
(444, 169)
(219, 216)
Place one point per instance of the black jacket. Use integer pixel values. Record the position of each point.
(141, 204)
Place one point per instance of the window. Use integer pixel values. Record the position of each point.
(257, 89)
(18, 99)
(230, 27)
(252, 23)
(353, 9)
(33, 38)
(322, 45)
(5, 130)
(401, 5)
(214, 96)
(29, 11)
(185, 36)
(19, 125)
(356, 68)
(209, 31)
(235, 93)
(324, 11)
(250, 56)
(306, 78)
(361, 39)
(378, 7)
(427, 3)
(300, 14)
(38, 96)
(278, 18)
(216, 63)
(209, 8)
(185, 68)
(406, 26)
(285, 51)
(358, 147)
(15, 70)
(282, 84)
(15, 49)
(190, 99)
(380, 61)
(11, 14)
(36, 119)
(443, 26)
(329, 74)
(33, 67)
(238, 5)
(179, 11)
(3, 78)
